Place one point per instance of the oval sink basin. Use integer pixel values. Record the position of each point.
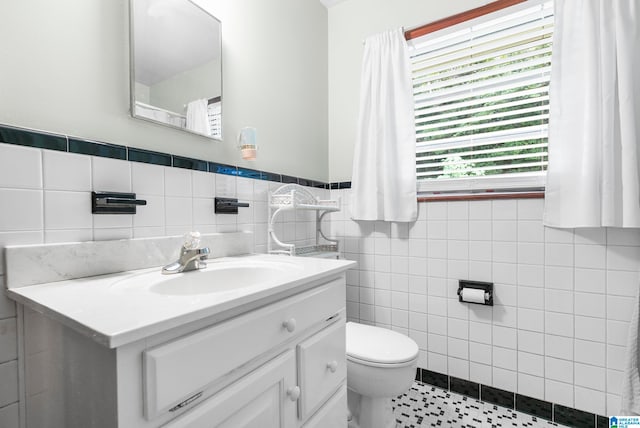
(217, 277)
(216, 280)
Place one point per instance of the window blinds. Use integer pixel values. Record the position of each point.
(214, 116)
(481, 100)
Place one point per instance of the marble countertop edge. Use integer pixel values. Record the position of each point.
(118, 319)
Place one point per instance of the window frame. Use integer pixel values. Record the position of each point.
(493, 185)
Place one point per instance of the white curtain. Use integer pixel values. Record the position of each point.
(594, 126)
(384, 163)
(198, 117)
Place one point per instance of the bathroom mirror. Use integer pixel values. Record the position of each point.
(176, 65)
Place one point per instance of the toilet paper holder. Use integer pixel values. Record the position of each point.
(486, 287)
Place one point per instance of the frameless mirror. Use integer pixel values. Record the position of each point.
(176, 65)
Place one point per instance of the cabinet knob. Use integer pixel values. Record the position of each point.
(293, 393)
(290, 325)
(333, 366)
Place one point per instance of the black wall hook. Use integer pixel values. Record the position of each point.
(114, 203)
(228, 205)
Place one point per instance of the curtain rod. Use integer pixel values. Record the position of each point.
(458, 18)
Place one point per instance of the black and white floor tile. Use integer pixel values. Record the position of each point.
(427, 406)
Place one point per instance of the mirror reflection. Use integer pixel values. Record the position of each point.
(176, 75)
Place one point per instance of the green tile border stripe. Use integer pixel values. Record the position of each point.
(66, 143)
(31, 138)
(94, 148)
(147, 156)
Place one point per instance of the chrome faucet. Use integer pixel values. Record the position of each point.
(191, 257)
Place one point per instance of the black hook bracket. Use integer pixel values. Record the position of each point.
(114, 203)
(228, 205)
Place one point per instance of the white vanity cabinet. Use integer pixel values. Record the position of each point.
(279, 364)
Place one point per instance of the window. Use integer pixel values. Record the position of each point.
(482, 102)
(214, 116)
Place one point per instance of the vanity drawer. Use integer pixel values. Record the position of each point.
(322, 366)
(258, 399)
(177, 370)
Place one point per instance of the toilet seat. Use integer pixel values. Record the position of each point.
(379, 347)
(381, 365)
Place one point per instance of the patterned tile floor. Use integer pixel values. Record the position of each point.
(427, 406)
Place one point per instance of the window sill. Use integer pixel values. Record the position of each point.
(481, 196)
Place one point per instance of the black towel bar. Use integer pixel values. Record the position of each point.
(114, 203)
(228, 205)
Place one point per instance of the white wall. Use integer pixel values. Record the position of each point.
(350, 22)
(562, 303)
(65, 68)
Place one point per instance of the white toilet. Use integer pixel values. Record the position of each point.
(381, 364)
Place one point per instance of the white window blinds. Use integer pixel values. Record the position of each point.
(214, 116)
(481, 100)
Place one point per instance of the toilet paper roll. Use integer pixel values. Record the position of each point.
(472, 295)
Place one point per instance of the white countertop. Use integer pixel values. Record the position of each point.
(115, 316)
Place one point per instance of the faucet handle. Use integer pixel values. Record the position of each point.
(191, 241)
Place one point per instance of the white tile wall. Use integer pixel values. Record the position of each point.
(66, 171)
(9, 384)
(20, 167)
(9, 416)
(8, 340)
(563, 298)
(45, 197)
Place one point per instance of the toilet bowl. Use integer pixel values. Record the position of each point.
(381, 364)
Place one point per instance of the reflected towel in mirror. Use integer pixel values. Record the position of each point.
(197, 117)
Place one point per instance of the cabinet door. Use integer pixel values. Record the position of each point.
(322, 366)
(265, 398)
(333, 414)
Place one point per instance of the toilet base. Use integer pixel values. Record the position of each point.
(370, 412)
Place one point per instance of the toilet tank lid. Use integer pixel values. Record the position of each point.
(379, 345)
